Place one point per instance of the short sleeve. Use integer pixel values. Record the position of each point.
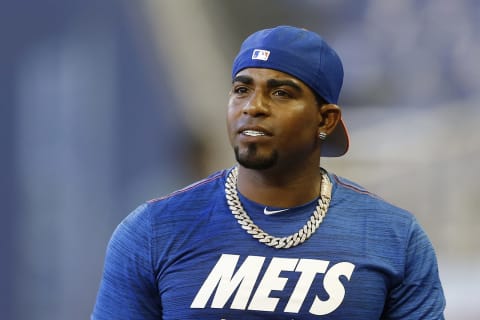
(127, 289)
(420, 294)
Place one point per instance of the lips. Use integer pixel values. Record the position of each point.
(254, 132)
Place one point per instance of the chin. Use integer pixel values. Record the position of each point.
(250, 159)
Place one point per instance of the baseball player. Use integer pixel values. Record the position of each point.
(276, 236)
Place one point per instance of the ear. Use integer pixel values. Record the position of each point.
(329, 116)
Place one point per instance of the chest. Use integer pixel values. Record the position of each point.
(239, 278)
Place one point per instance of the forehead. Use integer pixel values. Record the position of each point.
(263, 74)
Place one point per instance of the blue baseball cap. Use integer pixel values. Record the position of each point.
(306, 56)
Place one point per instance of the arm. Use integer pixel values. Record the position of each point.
(420, 294)
(127, 289)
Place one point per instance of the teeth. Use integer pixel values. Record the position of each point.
(253, 133)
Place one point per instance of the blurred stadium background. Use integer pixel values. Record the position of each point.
(106, 104)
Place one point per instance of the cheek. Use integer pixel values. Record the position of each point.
(231, 107)
(301, 123)
(231, 116)
(230, 112)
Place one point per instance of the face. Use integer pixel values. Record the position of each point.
(273, 118)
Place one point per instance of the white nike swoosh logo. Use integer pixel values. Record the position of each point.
(268, 212)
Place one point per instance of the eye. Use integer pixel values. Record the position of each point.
(240, 90)
(281, 93)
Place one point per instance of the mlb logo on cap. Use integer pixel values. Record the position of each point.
(259, 54)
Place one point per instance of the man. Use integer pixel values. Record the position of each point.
(276, 236)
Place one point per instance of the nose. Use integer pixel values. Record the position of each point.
(256, 106)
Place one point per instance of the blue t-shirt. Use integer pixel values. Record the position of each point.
(184, 256)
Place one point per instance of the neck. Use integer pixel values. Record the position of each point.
(280, 188)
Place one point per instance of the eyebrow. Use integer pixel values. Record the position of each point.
(243, 79)
(275, 83)
(271, 83)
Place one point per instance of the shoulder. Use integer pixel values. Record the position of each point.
(382, 226)
(181, 205)
(352, 194)
(366, 212)
(190, 200)
(348, 188)
(197, 190)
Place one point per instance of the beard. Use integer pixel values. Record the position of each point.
(250, 158)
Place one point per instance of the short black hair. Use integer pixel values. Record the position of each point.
(320, 100)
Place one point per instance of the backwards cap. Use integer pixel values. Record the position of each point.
(306, 56)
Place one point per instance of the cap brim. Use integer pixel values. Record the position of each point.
(337, 143)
